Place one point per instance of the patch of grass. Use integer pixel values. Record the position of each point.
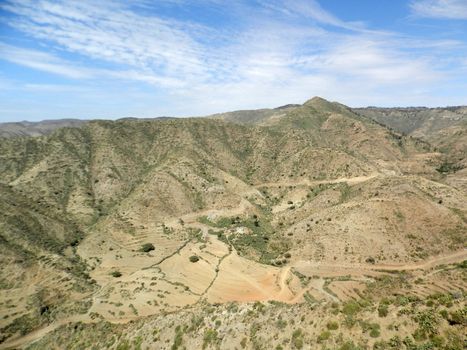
(346, 192)
(398, 214)
(223, 222)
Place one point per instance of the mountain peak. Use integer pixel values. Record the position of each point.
(316, 99)
(320, 103)
(323, 105)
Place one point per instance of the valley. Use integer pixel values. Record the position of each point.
(309, 226)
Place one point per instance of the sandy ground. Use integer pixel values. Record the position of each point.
(167, 280)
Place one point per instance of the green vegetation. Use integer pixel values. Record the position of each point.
(109, 184)
(147, 247)
(178, 338)
(351, 308)
(297, 338)
(448, 167)
(210, 337)
(383, 310)
(325, 335)
(116, 274)
(332, 325)
(260, 242)
(194, 258)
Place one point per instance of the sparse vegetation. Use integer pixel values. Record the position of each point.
(286, 205)
(147, 247)
(194, 258)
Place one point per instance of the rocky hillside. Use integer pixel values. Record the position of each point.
(312, 205)
(444, 128)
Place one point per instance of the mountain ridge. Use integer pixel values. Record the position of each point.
(299, 208)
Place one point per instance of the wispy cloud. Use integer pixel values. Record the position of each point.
(277, 52)
(42, 61)
(448, 9)
(311, 9)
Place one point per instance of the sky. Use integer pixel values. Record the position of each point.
(141, 58)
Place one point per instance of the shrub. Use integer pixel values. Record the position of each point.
(116, 274)
(332, 325)
(297, 339)
(194, 258)
(375, 333)
(351, 308)
(324, 336)
(428, 322)
(383, 310)
(147, 247)
(210, 336)
(281, 324)
(458, 317)
(349, 345)
(178, 339)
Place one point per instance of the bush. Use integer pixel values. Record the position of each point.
(324, 336)
(383, 310)
(210, 336)
(194, 258)
(116, 274)
(332, 325)
(349, 345)
(297, 338)
(375, 333)
(351, 308)
(458, 317)
(147, 247)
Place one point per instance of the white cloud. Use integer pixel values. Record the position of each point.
(283, 52)
(449, 9)
(110, 32)
(42, 61)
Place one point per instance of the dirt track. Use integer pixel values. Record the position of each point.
(423, 265)
(306, 182)
(282, 293)
(255, 281)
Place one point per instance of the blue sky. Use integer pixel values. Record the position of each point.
(143, 58)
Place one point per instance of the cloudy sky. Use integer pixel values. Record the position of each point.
(148, 58)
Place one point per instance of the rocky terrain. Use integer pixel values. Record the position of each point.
(311, 226)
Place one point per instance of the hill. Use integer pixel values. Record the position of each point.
(170, 232)
(41, 128)
(444, 128)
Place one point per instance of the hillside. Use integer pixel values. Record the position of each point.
(193, 228)
(444, 128)
(41, 128)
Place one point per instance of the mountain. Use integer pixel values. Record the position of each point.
(444, 128)
(41, 128)
(217, 232)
